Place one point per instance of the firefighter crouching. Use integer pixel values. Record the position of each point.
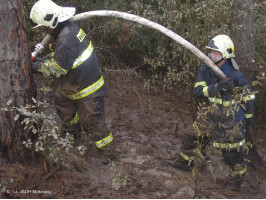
(223, 120)
(79, 98)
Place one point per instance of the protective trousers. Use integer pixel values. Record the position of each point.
(233, 156)
(87, 114)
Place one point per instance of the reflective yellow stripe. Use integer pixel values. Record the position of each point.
(215, 100)
(228, 103)
(105, 141)
(249, 97)
(184, 156)
(205, 91)
(84, 56)
(87, 91)
(220, 101)
(247, 116)
(202, 83)
(74, 120)
(229, 145)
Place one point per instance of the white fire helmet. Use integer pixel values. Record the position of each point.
(225, 46)
(47, 13)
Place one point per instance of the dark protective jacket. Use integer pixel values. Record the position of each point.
(239, 112)
(75, 61)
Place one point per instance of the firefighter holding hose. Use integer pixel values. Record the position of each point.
(223, 119)
(79, 98)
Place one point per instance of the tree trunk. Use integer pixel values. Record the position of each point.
(243, 35)
(16, 79)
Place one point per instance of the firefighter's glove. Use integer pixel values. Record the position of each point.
(37, 64)
(47, 70)
(225, 85)
(51, 67)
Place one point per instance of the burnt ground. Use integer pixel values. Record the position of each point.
(147, 124)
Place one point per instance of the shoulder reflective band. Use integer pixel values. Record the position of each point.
(202, 83)
(229, 145)
(87, 91)
(84, 56)
(105, 141)
(247, 116)
(205, 91)
(184, 156)
(249, 97)
(73, 121)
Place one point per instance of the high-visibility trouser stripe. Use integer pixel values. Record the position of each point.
(229, 145)
(84, 56)
(184, 156)
(249, 97)
(247, 116)
(202, 83)
(87, 91)
(205, 91)
(74, 120)
(105, 141)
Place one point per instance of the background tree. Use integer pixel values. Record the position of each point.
(16, 79)
(243, 35)
(243, 26)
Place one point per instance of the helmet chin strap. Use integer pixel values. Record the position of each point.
(219, 61)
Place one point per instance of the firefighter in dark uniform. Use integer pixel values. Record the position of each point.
(79, 99)
(222, 119)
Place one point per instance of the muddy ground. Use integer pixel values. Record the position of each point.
(147, 125)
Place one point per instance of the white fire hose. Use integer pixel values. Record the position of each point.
(39, 47)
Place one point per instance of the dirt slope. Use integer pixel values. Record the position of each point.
(147, 128)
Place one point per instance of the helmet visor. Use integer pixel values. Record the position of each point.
(33, 24)
(211, 45)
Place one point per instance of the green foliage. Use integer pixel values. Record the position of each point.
(42, 133)
(119, 181)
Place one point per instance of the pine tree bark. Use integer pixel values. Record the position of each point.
(243, 35)
(16, 79)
